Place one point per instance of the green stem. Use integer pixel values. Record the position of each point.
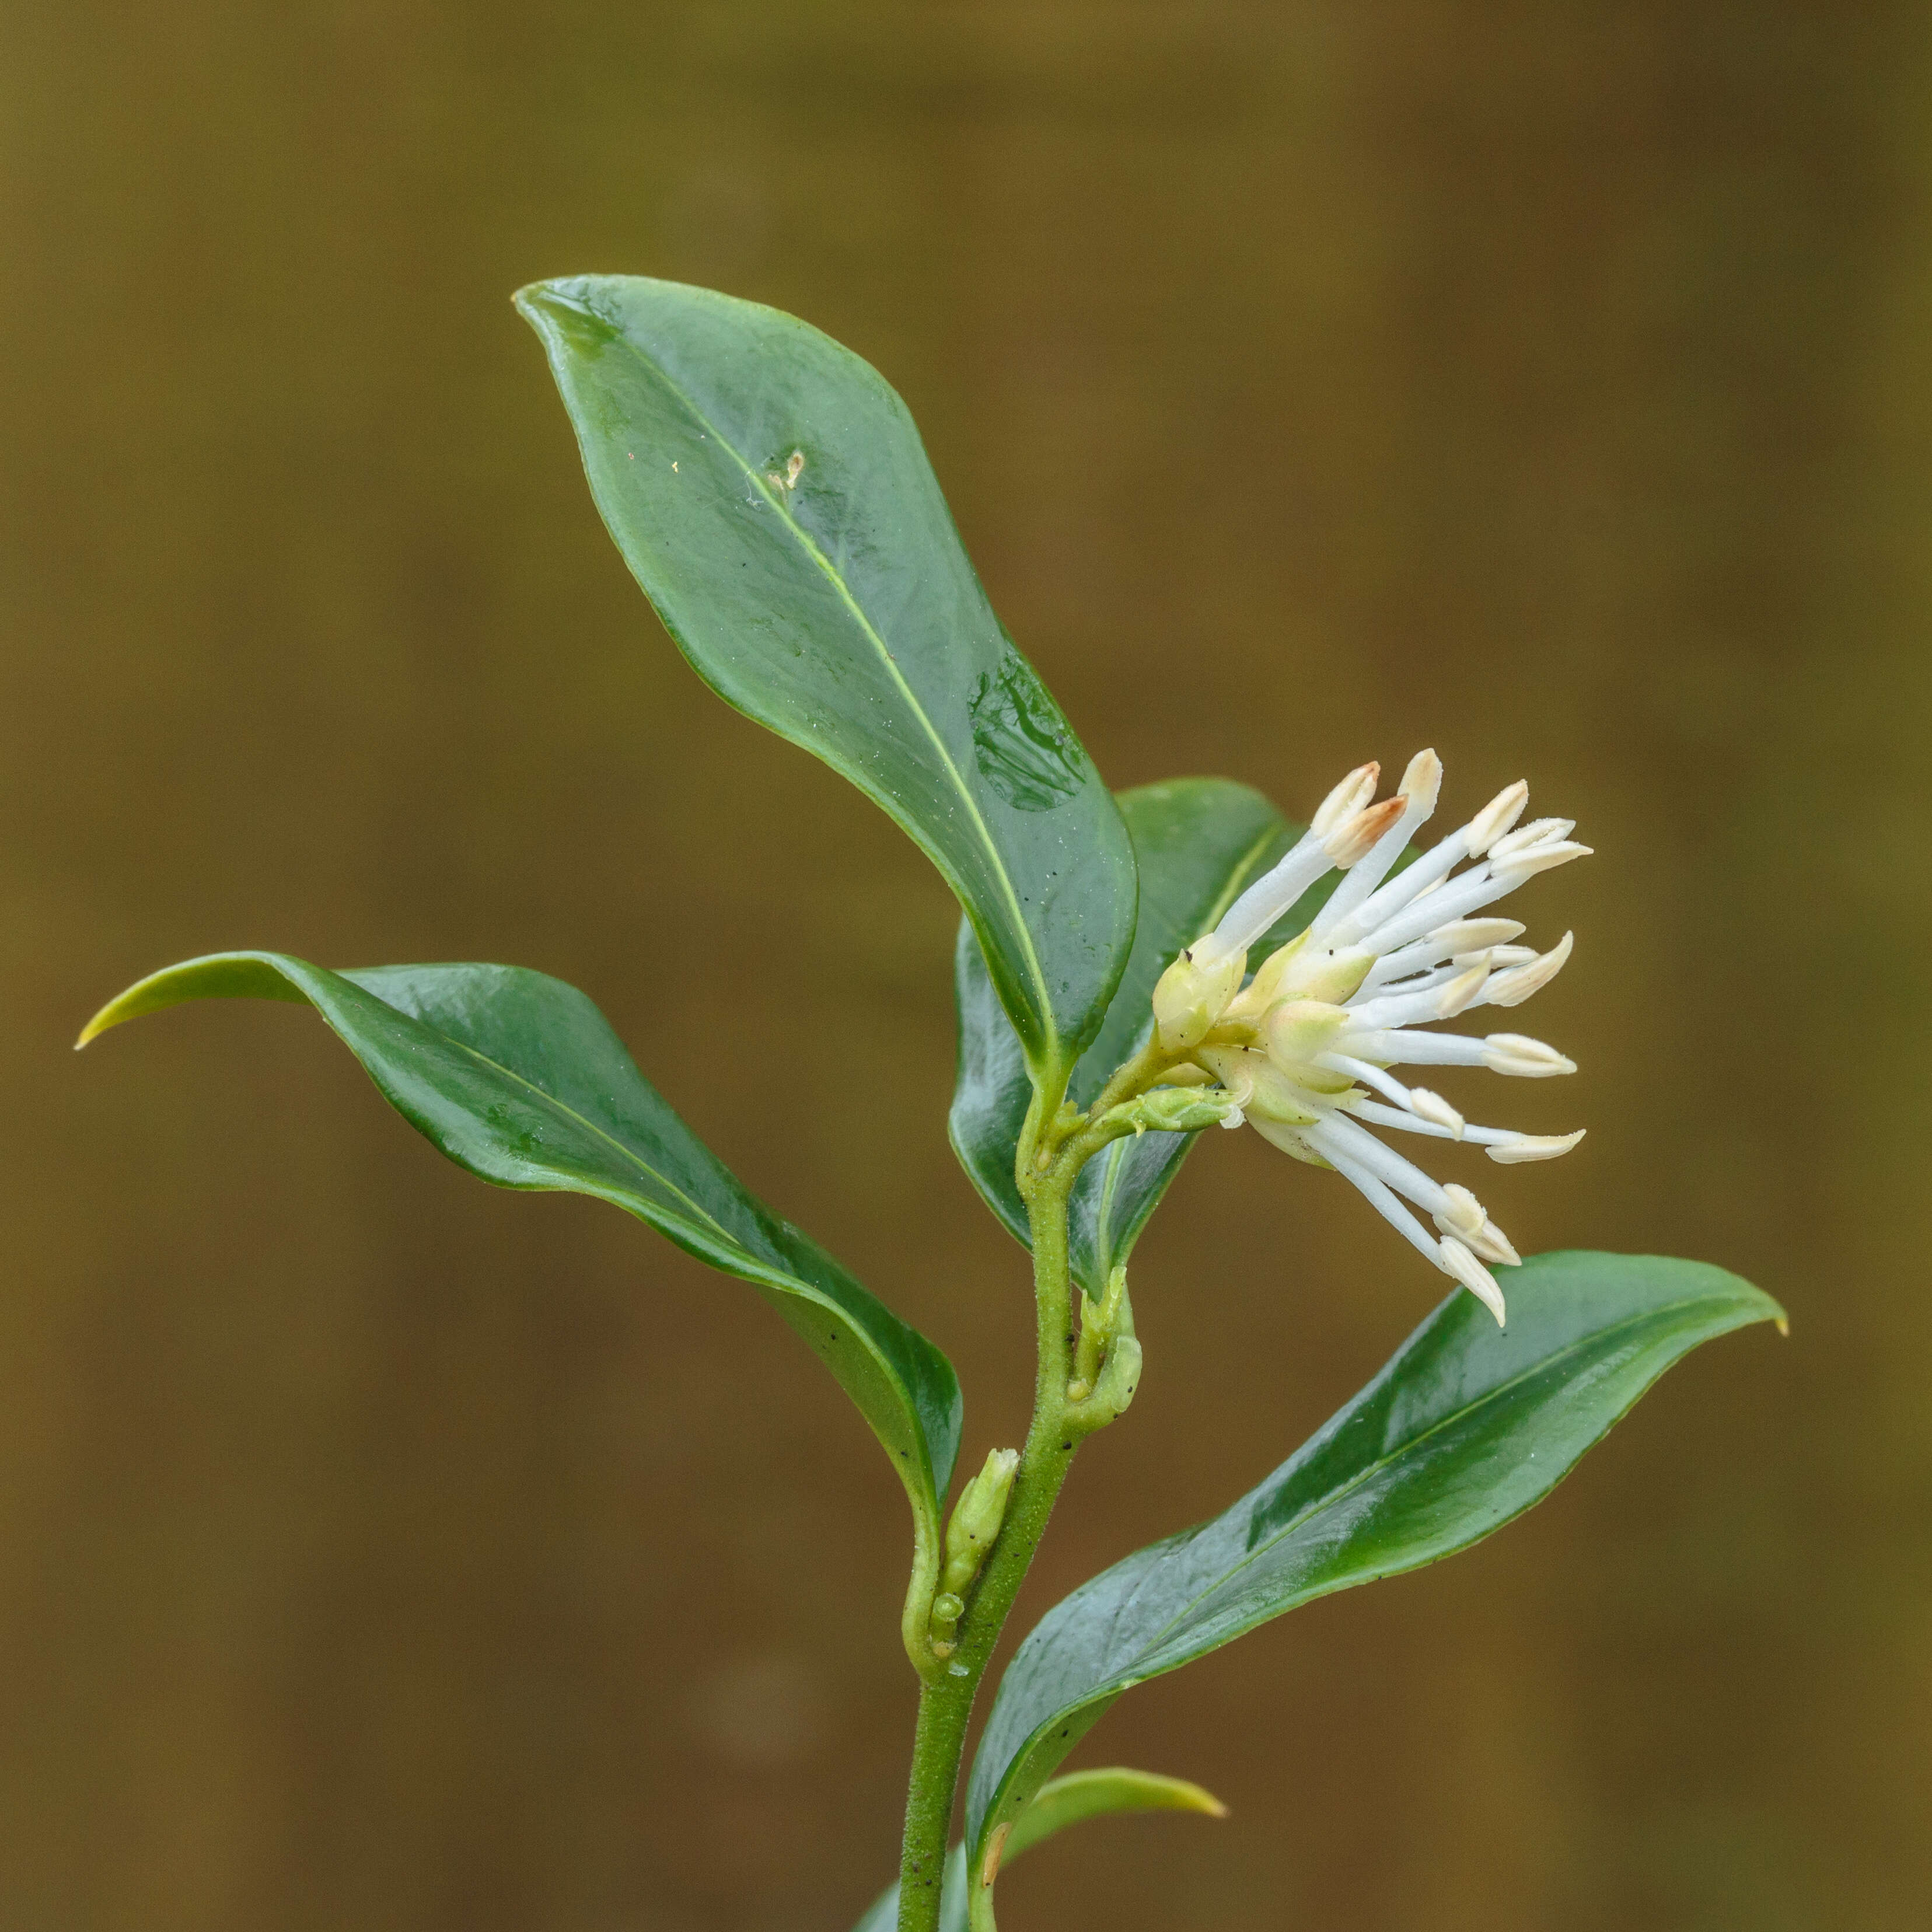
(946, 1703)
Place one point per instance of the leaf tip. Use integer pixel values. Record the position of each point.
(98, 1025)
(1178, 1794)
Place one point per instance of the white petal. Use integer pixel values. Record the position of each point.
(1459, 936)
(1420, 784)
(1370, 1076)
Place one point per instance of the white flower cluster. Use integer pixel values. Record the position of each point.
(1303, 1050)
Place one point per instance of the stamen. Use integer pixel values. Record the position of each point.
(1458, 936)
(1454, 1258)
(1273, 893)
(1513, 988)
(1432, 1107)
(1492, 1245)
(1404, 1176)
(1509, 1149)
(1415, 801)
(1465, 1214)
(1497, 817)
(1384, 1201)
(1526, 1059)
(1532, 859)
(1347, 799)
(1356, 837)
(1536, 833)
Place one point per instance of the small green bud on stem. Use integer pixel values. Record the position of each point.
(1106, 1359)
(970, 1537)
(1171, 1110)
(947, 1609)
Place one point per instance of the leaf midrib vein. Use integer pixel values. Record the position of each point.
(756, 480)
(1333, 1496)
(591, 1127)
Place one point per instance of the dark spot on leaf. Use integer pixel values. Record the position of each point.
(1025, 749)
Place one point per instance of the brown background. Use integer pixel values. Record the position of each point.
(1312, 381)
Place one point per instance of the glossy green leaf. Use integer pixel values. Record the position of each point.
(1467, 1426)
(772, 495)
(1107, 1792)
(1197, 842)
(1112, 1792)
(519, 1079)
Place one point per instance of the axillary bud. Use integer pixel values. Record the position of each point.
(976, 1521)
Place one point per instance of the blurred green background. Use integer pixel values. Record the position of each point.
(1549, 383)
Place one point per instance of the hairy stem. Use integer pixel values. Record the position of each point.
(946, 1702)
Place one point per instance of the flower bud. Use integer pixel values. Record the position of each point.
(1537, 831)
(1461, 992)
(1100, 1322)
(1297, 1029)
(1107, 1360)
(1491, 1244)
(1533, 858)
(1120, 1376)
(1193, 993)
(1266, 987)
(1464, 1215)
(977, 1518)
(1332, 977)
(1182, 1110)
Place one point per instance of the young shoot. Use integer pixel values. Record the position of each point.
(1133, 970)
